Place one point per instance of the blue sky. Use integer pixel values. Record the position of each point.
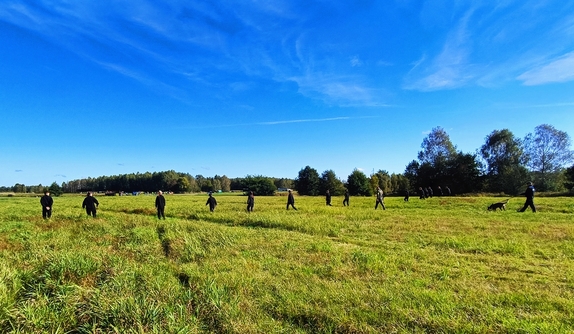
(236, 88)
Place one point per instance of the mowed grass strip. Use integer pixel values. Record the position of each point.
(444, 264)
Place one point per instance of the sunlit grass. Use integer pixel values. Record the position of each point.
(438, 265)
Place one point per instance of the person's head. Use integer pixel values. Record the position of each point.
(209, 194)
(160, 192)
(289, 190)
(46, 192)
(529, 183)
(251, 193)
(89, 193)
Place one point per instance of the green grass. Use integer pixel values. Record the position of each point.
(440, 265)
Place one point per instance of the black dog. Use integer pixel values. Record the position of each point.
(499, 205)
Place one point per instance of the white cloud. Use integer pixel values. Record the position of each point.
(355, 61)
(450, 68)
(560, 69)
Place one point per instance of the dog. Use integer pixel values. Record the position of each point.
(499, 205)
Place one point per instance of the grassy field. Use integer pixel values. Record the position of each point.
(443, 265)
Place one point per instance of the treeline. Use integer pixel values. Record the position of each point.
(151, 182)
(503, 164)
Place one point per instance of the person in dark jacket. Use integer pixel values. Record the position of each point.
(46, 201)
(407, 195)
(291, 200)
(429, 189)
(380, 198)
(448, 193)
(421, 193)
(346, 200)
(160, 205)
(90, 204)
(250, 202)
(328, 198)
(529, 193)
(440, 193)
(212, 202)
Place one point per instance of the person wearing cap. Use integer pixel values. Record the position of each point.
(529, 193)
(160, 205)
(291, 201)
(212, 202)
(90, 204)
(46, 201)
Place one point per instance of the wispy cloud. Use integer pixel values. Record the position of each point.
(18, 170)
(309, 120)
(450, 68)
(560, 69)
(355, 61)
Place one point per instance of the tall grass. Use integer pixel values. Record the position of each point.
(438, 265)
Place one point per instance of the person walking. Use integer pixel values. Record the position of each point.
(328, 198)
(250, 202)
(291, 201)
(407, 196)
(421, 193)
(212, 202)
(160, 205)
(346, 200)
(46, 201)
(380, 199)
(529, 193)
(90, 204)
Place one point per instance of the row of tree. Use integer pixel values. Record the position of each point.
(502, 164)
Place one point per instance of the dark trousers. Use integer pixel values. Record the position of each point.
(249, 207)
(91, 212)
(292, 205)
(46, 213)
(529, 203)
(346, 202)
(160, 212)
(382, 204)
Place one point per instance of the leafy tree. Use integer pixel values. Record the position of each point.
(225, 183)
(437, 148)
(464, 172)
(307, 183)
(19, 188)
(329, 181)
(358, 184)
(183, 185)
(384, 181)
(504, 157)
(547, 152)
(569, 178)
(284, 183)
(399, 183)
(260, 185)
(55, 189)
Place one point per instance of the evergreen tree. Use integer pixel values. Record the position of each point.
(307, 183)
